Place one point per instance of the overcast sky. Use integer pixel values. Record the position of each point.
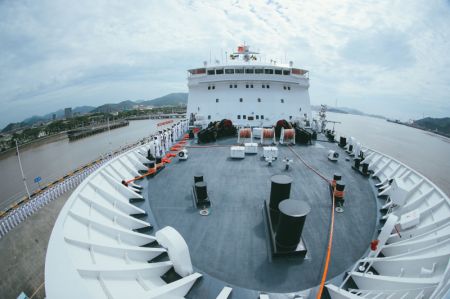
(384, 57)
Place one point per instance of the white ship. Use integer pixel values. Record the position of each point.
(121, 237)
(248, 91)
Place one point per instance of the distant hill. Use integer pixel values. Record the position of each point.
(108, 108)
(441, 125)
(44, 118)
(346, 110)
(172, 99)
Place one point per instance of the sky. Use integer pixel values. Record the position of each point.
(383, 57)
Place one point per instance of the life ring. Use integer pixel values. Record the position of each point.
(181, 154)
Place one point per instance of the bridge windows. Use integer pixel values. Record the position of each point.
(263, 86)
(209, 116)
(287, 87)
(257, 116)
(251, 85)
(241, 100)
(231, 85)
(235, 85)
(282, 101)
(246, 85)
(211, 87)
(239, 116)
(262, 116)
(290, 116)
(259, 100)
(247, 71)
(217, 100)
(244, 116)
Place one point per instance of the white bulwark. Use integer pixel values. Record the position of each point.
(248, 92)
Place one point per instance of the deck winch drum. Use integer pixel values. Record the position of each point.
(245, 133)
(268, 133)
(289, 134)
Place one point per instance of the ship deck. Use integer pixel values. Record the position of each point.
(231, 247)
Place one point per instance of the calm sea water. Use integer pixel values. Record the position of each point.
(425, 152)
(54, 159)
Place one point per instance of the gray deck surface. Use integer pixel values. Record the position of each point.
(231, 247)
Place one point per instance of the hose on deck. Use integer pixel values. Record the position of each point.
(331, 229)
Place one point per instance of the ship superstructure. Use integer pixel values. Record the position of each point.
(248, 91)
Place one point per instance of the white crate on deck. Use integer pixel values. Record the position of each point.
(251, 148)
(270, 152)
(237, 152)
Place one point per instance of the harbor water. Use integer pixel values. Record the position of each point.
(54, 159)
(423, 151)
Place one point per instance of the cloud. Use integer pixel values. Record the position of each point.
(388, 49)
(390, 57)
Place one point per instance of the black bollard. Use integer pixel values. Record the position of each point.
(342, 141)
(357, 162)
(339, 193)
(365, 168)
(291, 221)
(201, 191)
(280, 190)
(198, 177)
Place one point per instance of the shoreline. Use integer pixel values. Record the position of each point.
(37, 142)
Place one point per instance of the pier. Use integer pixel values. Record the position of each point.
(89, 131)
(156, 116)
